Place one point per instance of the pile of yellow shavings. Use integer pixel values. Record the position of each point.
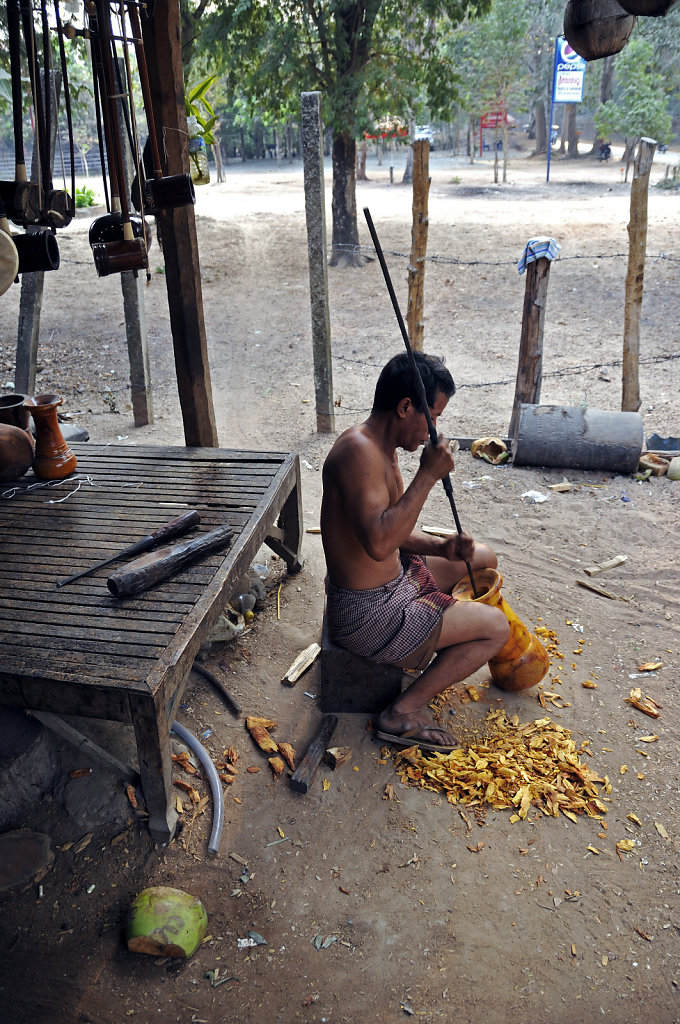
(513, 765)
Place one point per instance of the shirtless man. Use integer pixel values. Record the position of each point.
(389, 585)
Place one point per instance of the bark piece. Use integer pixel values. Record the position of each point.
(301, 664)
(337, 756)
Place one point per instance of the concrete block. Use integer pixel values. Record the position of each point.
(355, 685)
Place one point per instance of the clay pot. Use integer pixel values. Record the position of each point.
(53, 458)
(524, 661)
(597, 28)
(16, 452)
(13, 411)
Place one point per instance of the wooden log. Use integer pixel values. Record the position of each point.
(303, 776)
(150, 569)
(530, 360)
(578, 438)
(337, 756)
(637, 242)
(419, 227)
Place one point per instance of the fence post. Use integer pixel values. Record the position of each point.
(536, 259)
(637, 241)
(315, 211)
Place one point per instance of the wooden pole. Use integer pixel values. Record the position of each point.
(163, 45)
(132, 287)
(32, 284)
(315, 211)
(637, 241)
(420, 223)
(530, 361)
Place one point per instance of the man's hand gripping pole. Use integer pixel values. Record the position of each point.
(417, 379)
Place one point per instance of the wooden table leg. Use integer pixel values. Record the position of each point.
(152, 730)
(286, 538)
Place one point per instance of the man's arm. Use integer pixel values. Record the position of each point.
(458, 547)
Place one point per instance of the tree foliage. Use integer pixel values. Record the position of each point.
(639, 106)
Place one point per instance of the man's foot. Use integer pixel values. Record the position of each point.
(415, 728)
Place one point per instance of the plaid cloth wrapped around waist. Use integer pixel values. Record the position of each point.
(388, 623)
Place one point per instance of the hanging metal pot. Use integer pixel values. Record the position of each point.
(597, 28)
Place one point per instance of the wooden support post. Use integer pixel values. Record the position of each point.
(637, 241)
(315, 210)
(31, 295)
(163, 45)
(416, 270)
(132, 286)
(530, 362)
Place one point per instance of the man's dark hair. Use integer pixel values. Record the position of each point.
(396, 381)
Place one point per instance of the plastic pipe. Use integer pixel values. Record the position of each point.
(218, 797)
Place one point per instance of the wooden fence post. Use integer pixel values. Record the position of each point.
(315, 211)
(530, 361)
(637, 241)
(420, 223)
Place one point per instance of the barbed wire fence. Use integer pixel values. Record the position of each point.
(119, 386)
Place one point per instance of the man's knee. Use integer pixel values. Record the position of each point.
(484, 558)
(501, 630)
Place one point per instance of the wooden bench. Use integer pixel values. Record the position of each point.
(79, 651)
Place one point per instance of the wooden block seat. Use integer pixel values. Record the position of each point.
(352, 684)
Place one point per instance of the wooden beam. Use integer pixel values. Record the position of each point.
(163, 46)
(419, 227)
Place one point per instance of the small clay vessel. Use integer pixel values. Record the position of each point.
(53, 458)
(14, 412)
(524, 661)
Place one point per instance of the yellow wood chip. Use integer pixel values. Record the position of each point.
(626, 844)
(326, 785)
(594, 849)
(661, 830)
(588, 684)
(648, 739)
(634, 818)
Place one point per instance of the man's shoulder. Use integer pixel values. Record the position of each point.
(353, 446)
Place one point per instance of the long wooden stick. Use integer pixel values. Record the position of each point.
(417, 380)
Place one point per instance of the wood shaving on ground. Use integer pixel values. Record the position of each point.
(512, 765)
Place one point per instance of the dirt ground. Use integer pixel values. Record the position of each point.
(419, 909)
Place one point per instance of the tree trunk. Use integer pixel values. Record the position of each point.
(408, 170)
(345, 244)
(605, 93)
(637, 241)
(361, 169)
(540, 129)
(572, 137)
(471, 140)
(416, 270)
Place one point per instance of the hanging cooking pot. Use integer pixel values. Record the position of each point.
(130, 251)
(158, 192)
(597, 28)
(647, 8)
(109, 228)
(38, 251)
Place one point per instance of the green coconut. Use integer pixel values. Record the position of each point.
(163, 921)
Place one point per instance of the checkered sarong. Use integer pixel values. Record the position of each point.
(388, 623)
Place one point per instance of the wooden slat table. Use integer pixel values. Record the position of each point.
(79, 651)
